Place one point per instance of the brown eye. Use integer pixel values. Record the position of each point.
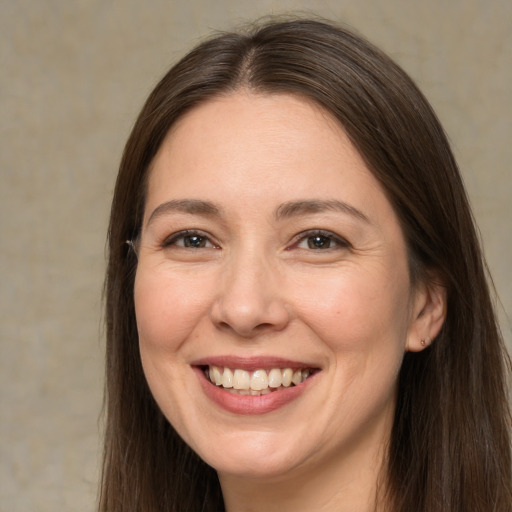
(319, 242)
(195, 241)
(189, 240)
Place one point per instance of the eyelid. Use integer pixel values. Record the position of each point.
(171, 239)
(339, 240)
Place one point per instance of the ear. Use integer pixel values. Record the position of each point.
(427, 315)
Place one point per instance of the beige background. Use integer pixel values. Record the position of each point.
(73, 75)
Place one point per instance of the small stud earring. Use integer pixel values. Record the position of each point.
(131, 244)
(423, 343)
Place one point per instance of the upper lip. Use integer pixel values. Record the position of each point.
(251, 363)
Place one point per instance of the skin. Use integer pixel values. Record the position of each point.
(256, 289)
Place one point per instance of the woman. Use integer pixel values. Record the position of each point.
(300, 319)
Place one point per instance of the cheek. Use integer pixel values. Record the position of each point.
(167, 309)
(354, 310)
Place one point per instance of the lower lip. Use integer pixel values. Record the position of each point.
(248, 404)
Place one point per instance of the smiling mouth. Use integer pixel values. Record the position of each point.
(258, 382)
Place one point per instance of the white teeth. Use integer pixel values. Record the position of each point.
(227, 378)
(215, 375)
(297, 377)
(287, 377)
(259, 382)
(241, 379)
(275, 378)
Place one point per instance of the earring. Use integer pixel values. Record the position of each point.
(423, 342)
(132, 246)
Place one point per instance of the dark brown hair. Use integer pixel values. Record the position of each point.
(450, 447)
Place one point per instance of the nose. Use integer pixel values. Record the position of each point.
(250, 301)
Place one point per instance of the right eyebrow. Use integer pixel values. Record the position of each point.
(309, 206)
(192, 206)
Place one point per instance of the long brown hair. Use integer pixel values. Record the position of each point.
(450, 446)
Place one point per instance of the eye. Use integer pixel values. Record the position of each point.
(320, 241)
(190, 240)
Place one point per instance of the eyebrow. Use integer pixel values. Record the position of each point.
(304, 207)
(191, 206)
(284, 211)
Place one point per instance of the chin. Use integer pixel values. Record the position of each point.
(254, 458)
(260, 469)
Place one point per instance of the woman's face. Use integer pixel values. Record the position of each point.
(269, 252)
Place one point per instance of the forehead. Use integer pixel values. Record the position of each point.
(246, 141)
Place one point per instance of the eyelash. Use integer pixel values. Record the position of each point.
(319, 233)
(300, 238)
(188, 233)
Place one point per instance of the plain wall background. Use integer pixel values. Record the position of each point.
(73, 76)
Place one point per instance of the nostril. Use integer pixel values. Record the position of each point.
(223, 325)
(249, 313)
(247, 331)
(263, 326)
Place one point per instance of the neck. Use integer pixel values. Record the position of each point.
(348, 486)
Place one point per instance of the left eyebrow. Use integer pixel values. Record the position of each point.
(304, 207)
(191, 206)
